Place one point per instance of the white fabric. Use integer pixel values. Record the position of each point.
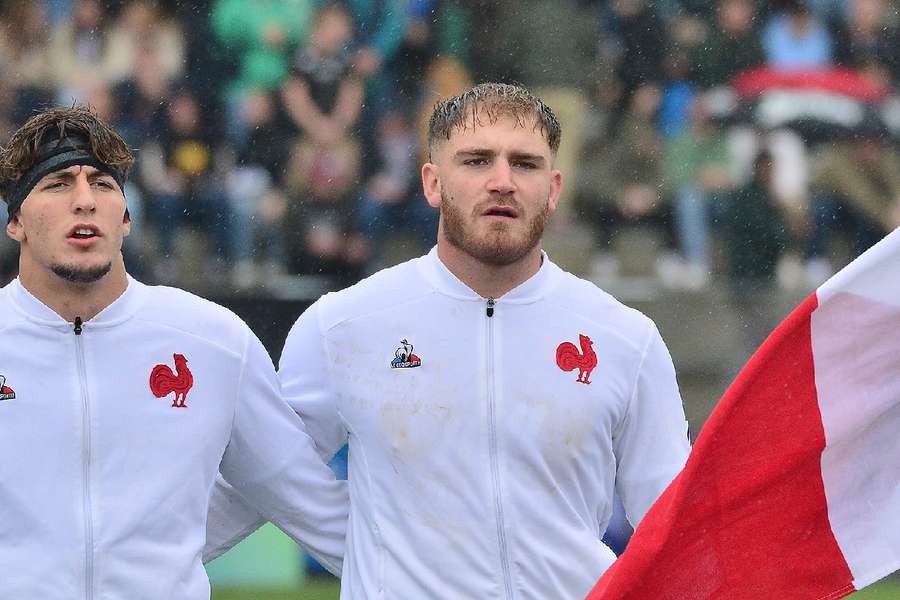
(104, 487)
(856, 350)
(486, 472)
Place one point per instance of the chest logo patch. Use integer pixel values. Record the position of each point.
(569, 358)
(163, 381)
(6, 392)
(404, 357)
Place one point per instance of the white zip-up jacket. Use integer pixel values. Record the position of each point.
(478, 466)
(109, 446)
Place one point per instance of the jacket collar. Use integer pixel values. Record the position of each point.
(531, 290)
(121, 309)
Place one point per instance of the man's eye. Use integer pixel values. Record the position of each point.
(524, 164)
(104, 184)
(53, 185)
(476, 161)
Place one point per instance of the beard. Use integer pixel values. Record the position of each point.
(499, 247)
(81, 274)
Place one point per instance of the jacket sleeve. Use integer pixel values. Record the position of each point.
(306, 382)
(273, 466)
(230, 520)
(651, 443)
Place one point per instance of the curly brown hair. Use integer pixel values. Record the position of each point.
(20, 153)
(492, 100)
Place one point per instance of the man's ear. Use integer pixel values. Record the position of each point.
(14, 229)
(555, 189)
(431, 184)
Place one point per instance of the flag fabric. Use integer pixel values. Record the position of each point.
(792, 489)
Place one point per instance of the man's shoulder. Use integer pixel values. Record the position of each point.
(585, 298)
(184, 311)
(387, 289)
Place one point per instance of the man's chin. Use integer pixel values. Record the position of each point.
(81, 274)
(498, 249)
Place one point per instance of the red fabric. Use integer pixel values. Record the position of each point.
(750, 84)
(747, 518)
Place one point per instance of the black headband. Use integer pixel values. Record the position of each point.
(72, 149)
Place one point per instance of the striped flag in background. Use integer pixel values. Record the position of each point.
(792, 489)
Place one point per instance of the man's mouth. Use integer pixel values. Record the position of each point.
(501, 211)
(84, 232)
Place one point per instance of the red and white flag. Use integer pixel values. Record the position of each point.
(792, 489)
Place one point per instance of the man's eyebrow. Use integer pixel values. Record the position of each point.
(475, 152)
(485, 152)
(537, 158)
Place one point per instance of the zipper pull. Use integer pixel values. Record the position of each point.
(77, 327)
(490, 307)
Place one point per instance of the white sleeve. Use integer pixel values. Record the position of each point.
(651, 444)
(305, 375)
(229, 521)
(273, 466)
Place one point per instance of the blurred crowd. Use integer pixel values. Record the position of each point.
(283, 137)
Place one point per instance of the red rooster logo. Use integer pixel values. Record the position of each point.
(568, 358)
(163, 381)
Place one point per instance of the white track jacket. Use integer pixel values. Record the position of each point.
(110, 440)
(486, 436)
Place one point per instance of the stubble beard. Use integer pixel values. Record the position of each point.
(81, 275)
(498, 247)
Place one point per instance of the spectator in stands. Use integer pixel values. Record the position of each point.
(379, 27)
(795, 39)
(178, 172)
(24, 36)
(696, 173)
(856, 185)
(323, 98)
(78, 52)
(755, 239)
(678, 92)
(142, 99)
(637, 52)
(263, 35)
(391, 198)
(732, 44)
(622, 189)
(868, 43)
(255, 192)
(142, 27)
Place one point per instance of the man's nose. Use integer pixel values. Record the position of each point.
(83, 195)
(502, 181)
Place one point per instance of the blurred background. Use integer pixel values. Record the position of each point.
(721, 158)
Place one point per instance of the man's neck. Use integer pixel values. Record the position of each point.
(486, 280)
(70, 300)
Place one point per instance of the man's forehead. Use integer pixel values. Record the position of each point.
(74, 170)
(526, 129)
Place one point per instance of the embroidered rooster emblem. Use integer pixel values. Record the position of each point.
(163, 381)
(568, 358)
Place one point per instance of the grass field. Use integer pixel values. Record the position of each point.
(327, 589)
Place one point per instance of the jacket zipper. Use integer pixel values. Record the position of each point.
(495, 458)
(86, 462)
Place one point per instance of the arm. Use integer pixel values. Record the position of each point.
(273, 466)
(230, 520)
(349, 104)
(301, 108)
(305, 376)
(324, 128)
(651, 443)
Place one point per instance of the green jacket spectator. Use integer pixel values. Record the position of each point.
(263, 35)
